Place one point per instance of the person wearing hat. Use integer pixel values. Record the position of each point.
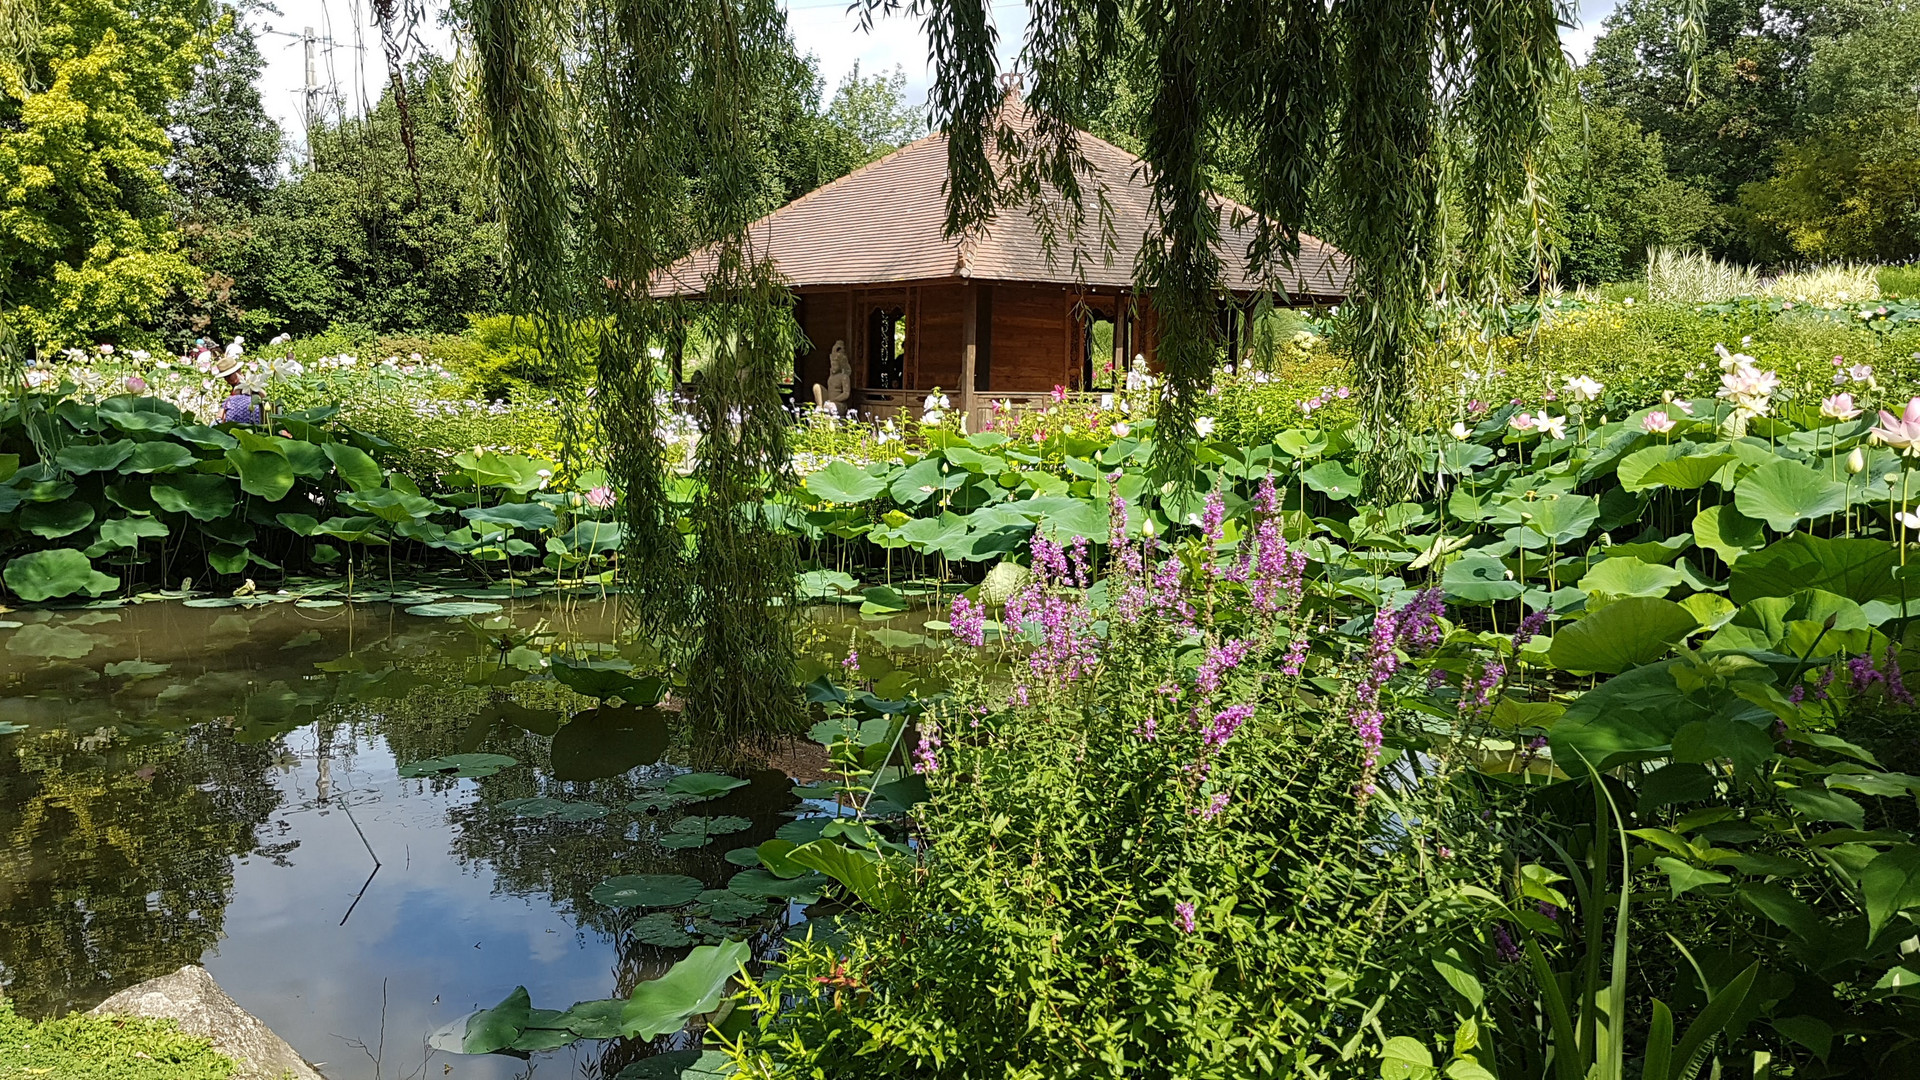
(243, 406)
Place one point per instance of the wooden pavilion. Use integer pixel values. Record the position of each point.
(988, 316)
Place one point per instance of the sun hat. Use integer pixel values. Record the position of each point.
(224, 368)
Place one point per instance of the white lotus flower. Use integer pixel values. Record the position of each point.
(1582, 388)
(1203, 426)
(1555, 427)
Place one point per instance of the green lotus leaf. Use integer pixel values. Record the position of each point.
(496, 1028)
(603, 681)
(139, 414)
(1686, 473)
(1477, 579)
(56, 519)
(681, 1065)
(744, 856)
(1062, 519)
(57, 572)
(647, 890)
(1619, 576)
(1783, 493)
(453, 609)
(1857, 568)
(662, 929)
(527, 515)
(350, 529)
(1621, 635)
(1331, 478)
(514, 472)
(711, 826)
(389, 505)
(556, 809)
(681, 841)
(763, 884)
(262, 472)
(97, 457)
(459, 765)
(1727, 532)
(151, 457)
(202, 496)
(844, 483)
(211, 438)
(127, 532)
(860, 872)
(594, 1019)
(1563, 519)
(355, 466)
(724, 905)
(592, 536)
(693, 986)
(703, 785)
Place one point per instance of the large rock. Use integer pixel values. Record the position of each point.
(191, 997)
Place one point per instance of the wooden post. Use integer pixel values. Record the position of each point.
(969, 346)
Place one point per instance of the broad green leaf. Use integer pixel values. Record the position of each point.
(1783, 493)
(1727, 532)
(704, 785)
(1619, 577)
(1621, 635)
(53, 520)
(1683, 878)
(1563, 519)
(862, 873)
(458, 765)
(453, 609)
(263, 473)
(1404, 1058)
(693, 986)
(608, 741)
(1477, 579)
(57, 572)
(1330, 478)
(842, 482)
(497, 1028)
(1685, 473)
(515, 515)
(355, 466)
(1858, 569)
(50, 642)
(127, 532)
(1890, 884)
(96, 457)
(647, 890)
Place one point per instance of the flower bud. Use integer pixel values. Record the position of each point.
(1857, 461)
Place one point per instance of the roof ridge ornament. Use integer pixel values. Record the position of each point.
(1013, 82)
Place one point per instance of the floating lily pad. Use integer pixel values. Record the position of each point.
(744, 856)
(704, 785)
(556, 809)
(663, 929)
(647, 890)
(711, 826)
(454, 609)
(461, 765)
(680, 1065)
(50, 642)
(594, 1019)
(680, 841)
(655, 801)
(726, 906)
(136, 669)
(760, 883)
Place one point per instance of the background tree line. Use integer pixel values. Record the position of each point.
(148, 194)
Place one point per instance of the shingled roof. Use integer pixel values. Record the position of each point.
(885, 223)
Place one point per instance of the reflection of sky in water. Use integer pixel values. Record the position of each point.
(426, 927)
(162, 739)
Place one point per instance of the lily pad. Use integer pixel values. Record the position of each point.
(647, 890)
(744, 856)
(556, 809)
(453, 609)
(763, 884)
(667, 931)
(42, 641)
(44, 575)
(704, 785)
(681, 841)
(460, 765)
(711, 826)
(680, 1065)
(725, 905)
(608, 741)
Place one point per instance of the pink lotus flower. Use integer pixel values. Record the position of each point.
(600, 498)
(1839, 407)
(1521, 422)
(1902, 432)
(1657, 422)
(136, 385)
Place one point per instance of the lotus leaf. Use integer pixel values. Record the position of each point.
(488, 468)
(842, 482)
(82, 458)
(527, 515)
(763, 884)
(459, 765)
(604, 680)
(453, 609)
(56, 519)
(202, 496)
(608, 741)
(129, 531)
(804, 831)
(57, 572)
(1858, 569)
(695, 985)
(556, 809)
(726, 906)
(489, 1029)
(1783, 493)
(860, 872)
(704, 785)
(1621, 635)
(592, 536)
(1727, 532)
(151, 457)
(665, 930)
(1478, 579)
(593, 1019)
(390, 505)
(265, 473)
(1619, 576)
(711, 826)
(647, 890)
(1331, 478)
(358, 469)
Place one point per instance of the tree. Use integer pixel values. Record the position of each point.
(1615, 197)
(87, 245)
(348, 240)
(226, 150)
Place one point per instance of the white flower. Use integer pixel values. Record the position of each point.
(1909, 519)
(1460, 431)
(1555, 427)
(252, 382)
(1582, 388)
(1203, 426)
(1121, 430)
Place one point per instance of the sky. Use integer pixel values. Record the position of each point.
(347, 56)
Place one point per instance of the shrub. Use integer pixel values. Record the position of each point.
(78, 1047)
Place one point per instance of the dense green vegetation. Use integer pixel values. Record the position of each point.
(91, 1048)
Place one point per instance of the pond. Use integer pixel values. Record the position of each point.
(226, 785)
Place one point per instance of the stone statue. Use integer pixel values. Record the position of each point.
(839, 375)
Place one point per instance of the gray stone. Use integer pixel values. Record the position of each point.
(191, 997)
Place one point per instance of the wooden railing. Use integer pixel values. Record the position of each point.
(902, 405)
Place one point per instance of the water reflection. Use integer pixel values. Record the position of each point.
(223, 785)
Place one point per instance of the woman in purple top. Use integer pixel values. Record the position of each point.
(241, 407)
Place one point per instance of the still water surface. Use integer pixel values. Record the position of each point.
(221, 785)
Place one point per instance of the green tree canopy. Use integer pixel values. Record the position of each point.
(87, 244)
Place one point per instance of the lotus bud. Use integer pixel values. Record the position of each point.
(1857, 461)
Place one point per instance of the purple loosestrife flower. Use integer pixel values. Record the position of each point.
(1530, 626)
(925, 756)
(1214, 806)
(1148, 730)
(1862, 672)
(1896, 683)
(1478, 694)
(1295, 659)
(1213, 520)
(852, 661)
(1225, 723)
(1183, 915)
(969, 621)
(1266, 498)
(1420, 619)
(1219, 660)
(1018, 697)
(1382, 661)
(1503, 945)
(1049, 561)
(1798, 694)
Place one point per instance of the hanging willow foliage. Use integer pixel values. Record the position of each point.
(1341, 107)
(620, 133)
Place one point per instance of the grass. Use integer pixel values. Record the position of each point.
(1901, 281)
(81, 1047)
